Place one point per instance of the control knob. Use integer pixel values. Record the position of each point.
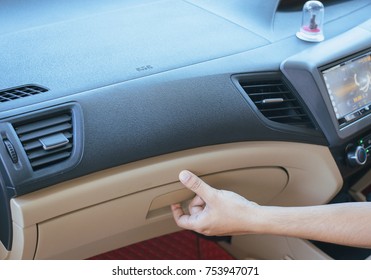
(357, 155)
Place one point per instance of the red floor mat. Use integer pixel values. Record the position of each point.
(183, 245)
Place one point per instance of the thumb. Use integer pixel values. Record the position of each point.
(195, 184)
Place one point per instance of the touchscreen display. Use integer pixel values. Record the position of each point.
(349, 87)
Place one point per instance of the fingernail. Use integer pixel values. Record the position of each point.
(184, 176)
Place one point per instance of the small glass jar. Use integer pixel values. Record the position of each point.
(312, 22)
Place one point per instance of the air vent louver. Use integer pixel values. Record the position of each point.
(48, 140)
(277, 102)
(20, 92)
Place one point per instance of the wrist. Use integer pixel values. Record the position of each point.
(267, 220)
(256, 218)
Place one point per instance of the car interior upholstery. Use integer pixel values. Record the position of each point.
(103, 103)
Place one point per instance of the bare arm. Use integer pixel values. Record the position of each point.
(218, 212)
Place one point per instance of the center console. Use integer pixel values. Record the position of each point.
(340, 99)
(339, 96)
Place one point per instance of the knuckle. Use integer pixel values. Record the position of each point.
(196, 184)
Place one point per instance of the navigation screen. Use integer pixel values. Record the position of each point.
(349, 87)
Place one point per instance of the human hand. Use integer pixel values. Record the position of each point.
(215, 212)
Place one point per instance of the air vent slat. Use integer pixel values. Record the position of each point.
(47, 131)
(20, 92)
(29, 146)
(263, 85)
(286, 102)
(33, 133)
(266, 92)
(43, 124)
(42, 153)
(281, 109)
(37, 164)
(277, 102)
(288, 117)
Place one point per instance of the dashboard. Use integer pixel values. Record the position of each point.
(102, 106)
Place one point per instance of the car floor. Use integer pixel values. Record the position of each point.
(183, 245)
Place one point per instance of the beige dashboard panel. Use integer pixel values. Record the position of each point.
(129, 203)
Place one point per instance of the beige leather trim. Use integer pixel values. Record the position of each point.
(151, 206)
(24, 242)
(272, 247)
(3, 252)
(135, 196)
(357, 188)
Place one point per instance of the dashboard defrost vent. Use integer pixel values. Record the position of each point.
(48, 140)
(277, 102)
(20, 92)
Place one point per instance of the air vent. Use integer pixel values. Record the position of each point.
(277, 102)
(47, 141)
(20, 92)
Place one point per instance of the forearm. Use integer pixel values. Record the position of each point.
(347, 224)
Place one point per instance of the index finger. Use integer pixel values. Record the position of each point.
(181, 219)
